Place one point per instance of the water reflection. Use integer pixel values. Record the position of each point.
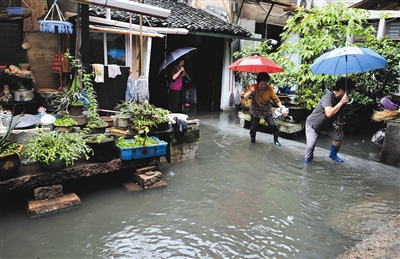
(237, 200)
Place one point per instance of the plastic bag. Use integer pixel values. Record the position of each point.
(379, 136)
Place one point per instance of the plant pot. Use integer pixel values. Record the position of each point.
(56, 165)
(63, 128)
(75, 110)
(98, 130)
(9, 165)
(103, 151)
(107, 119)
(123, 122)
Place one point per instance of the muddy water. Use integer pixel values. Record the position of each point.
(237, 200)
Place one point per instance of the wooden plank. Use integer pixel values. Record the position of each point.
(136, 27)
(122, 31)
(128, 6)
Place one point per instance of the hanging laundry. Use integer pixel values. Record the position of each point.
(113, 71)
(98, 70)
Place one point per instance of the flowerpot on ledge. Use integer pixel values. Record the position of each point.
(9, 164)
(123, 121)
(103, 146)
(53, 166)
(75, 109)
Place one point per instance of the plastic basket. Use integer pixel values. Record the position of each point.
(15, 10)
(159, 149)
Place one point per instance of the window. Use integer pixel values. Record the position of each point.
(106, 48)
(394, 30)
(11, 38)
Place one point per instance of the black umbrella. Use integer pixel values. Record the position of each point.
(185, 52)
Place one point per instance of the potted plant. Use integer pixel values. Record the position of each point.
(64, 124)
(10, 154)
(55, 150)
(141, 146)
(145, 114)
(122, 119)
(79, 94)
(103, 146)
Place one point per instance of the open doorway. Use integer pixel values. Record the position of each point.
(204, 68)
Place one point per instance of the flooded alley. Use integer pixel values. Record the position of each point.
(237, 200)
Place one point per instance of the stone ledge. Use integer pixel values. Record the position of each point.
(32, 176)
(383, 243)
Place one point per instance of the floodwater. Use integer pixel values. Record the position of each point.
(237, 200)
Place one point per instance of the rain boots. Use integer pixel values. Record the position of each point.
(333, 154)
(276, 134)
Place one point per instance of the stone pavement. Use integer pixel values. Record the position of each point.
(383, 244)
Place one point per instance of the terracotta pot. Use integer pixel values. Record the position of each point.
(9, 164)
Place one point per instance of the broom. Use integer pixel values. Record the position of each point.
(385, 115)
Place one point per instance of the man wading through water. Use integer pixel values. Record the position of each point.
(261, 94)
(327, 117)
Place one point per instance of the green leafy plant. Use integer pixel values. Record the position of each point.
(143, 114)
(138, 141)
(48, 146)
(65, 121)
(7, 145)
(77, 103)
(98, 138)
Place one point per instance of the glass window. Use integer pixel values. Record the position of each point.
(109, 51)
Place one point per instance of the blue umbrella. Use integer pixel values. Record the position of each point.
(184, 52)
(116, 53)
(348, 60)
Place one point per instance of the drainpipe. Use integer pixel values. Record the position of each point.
(381, 28)
(240, 12)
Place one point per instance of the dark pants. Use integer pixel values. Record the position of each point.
(176, 101)
(271, 124)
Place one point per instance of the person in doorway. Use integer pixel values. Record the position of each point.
(262, 93)
(175, 87)
(327, 117)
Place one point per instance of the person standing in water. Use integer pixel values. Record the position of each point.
(175, 86)
(327, 117)
(262, 93)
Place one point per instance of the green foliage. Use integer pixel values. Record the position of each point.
(65, 121)
(48, 146)
(137, 142)
(7, 145)
(143, 114)
(310, 33)
(98, 138)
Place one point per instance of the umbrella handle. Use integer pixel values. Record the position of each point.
(352, 99)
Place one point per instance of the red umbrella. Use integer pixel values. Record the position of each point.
(255, 64)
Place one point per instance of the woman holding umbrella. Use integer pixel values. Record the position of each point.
(262, 93)
(177, 74)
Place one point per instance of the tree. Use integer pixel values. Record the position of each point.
(310, 33)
